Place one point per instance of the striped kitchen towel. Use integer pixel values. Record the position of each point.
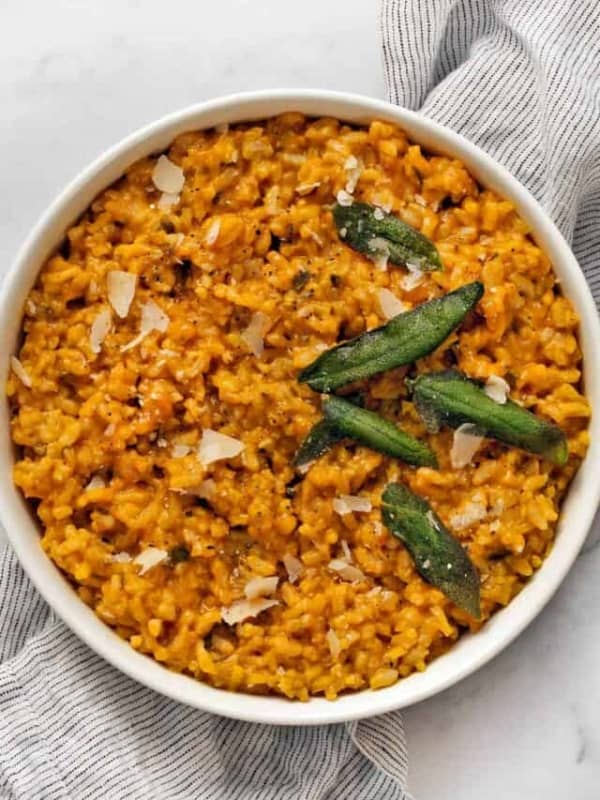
(520, 78)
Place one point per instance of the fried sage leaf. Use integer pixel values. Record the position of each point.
(322, 437)
(404, 339)
(450, 398)
(438, 556)
(374, 232)
(378, 433)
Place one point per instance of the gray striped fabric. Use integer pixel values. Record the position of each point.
(521, 78)
(73, 728)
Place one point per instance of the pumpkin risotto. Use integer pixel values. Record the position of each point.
(157, 407)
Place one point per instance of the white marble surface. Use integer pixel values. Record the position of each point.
(75, 76)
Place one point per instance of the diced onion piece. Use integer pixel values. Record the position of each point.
(215, 446)
(181, 450)
(167, 176)
(243, 609)
(213, 232)
(260, 587)
(390, 305)
(166, 200)
(347, 503)
(153, 319)
(149, 558)
(333, 643)
(465, 443)
(121, 289)
(294, 567)
(96, 482)
(497, 389)
(99, 331)
(253, 335)
(470, 514)
(345, 570)
(344, 198)
(20, 372)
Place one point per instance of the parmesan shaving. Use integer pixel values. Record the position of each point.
(149, 558)
(344, 198)
(353, 172)
(378, 213)
(333, 643)
(306, 188)
(206, 490)
(346, 571)
(497, 389)
(215, 446)
(213, 232)
(293, 567)
(20, 372)
(346, 551)
(99, 330)
(465, 444)
(379, 250)
(347, 503)
(259, 587)
(389, 304)
(470, 514)
(121, 558)
(180, 450)
(167, 200)
(414, 278)
(153, 319)
(243, 609)
(253, 335)
(167, 176)
(121, 289)
(96, 482)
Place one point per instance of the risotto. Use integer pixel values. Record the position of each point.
(157, 409)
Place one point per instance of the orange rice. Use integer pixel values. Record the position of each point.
(109, 439)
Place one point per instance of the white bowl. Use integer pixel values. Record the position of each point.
(471, 651)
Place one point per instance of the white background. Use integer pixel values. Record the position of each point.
(77, 76)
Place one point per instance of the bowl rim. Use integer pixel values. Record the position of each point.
(471, 651)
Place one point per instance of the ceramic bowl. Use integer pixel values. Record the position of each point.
(471, 651)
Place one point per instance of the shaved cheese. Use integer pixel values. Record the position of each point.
(378, 213)
(153, 319)
(353, 172)
(469, 515)
(166, 200)
(243, 609)
(110, 429)
(215, 446)
(344, 198)
(167, 176)
(20, 372)
(379, 252)
(345, 570)
(213, 232)
(497, 389)
(293, 566)
(121, 289)
(96, 482)
(181, 450)
(306, 188)
(465, 444)
(347, 503)
(390, 305)
(346, 551)
(121, 558)
(99, 331)
(253, 335)
(333, 643)
(259, 587)
(149, 558)
(414, 278)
